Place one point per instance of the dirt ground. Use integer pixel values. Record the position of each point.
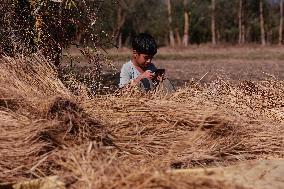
(265, 174)
(203, 63)
(182, 71)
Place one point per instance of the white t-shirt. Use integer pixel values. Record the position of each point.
(129, 72)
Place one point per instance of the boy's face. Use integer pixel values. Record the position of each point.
(142, 60)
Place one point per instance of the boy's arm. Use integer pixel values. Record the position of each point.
(126, 80)
(147, 74)
(124, 77)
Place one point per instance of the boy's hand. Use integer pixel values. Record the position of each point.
(161, 77)
(147, 74)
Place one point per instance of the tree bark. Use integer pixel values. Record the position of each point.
(244, 34)
(171, 33)
(281, 23)
(186, 24)
(213, 29)
(121, 15)
(178, 38)
(240, 16)
(262, 31)
(270, 23)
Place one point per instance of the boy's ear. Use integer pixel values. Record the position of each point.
(135, 53)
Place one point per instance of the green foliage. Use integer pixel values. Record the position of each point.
(95, 22)
(199, 22)
(151, 16)
(50, 25)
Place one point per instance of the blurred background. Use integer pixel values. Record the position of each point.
(183, 22)
(174, 23)
(241, 39)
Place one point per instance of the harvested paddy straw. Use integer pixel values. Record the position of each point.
(132, 140)
(35, 122)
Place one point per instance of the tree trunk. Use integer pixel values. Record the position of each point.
(186, 24)
(262, 31)
(243, 40)
(244, 28)
(213, 29)
(240, 21)
(120, 40)
(178, 38)
(281, 23)
(270, 23)
(121, 15)
(171, 33)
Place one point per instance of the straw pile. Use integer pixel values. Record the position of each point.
(38, 116)
(132, 140)
(191, 127)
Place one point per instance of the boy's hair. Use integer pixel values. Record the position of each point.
(144, 43)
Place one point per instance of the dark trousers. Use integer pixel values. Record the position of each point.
(164, 86)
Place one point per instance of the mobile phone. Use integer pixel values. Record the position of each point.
(160, 72)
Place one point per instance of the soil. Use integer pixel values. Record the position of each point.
(262, 174)
(183, 71)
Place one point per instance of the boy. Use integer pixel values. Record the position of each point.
(140, 71)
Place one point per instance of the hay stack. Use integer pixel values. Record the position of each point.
(191, 128)
(94, 167)
(35, 121)
(188, 126)
(45, 130)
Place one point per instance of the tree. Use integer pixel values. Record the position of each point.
(240, 19)
(121, 15)
(171, 33)
(50, 25)
(123, 10)
(213, 22)
(261, 20)
(186, 23)
(281, 23)
(269, 23)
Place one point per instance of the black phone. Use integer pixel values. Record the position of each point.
(160, 72)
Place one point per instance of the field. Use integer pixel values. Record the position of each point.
(223, 127)
(238, 63)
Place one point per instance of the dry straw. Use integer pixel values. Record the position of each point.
(132, 140)
(38, 116)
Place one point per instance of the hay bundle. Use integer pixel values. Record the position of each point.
(35, 122)
(22, 145)
(194, 127)
(89, 166)
(190, 128)
(30, 80)
(74, 125)
(253, 99)
(10, 100)
(151, 129)
(27, 145)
